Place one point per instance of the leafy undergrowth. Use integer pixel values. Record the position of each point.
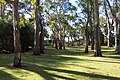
(68, 64)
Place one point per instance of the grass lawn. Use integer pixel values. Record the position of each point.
(69, 64)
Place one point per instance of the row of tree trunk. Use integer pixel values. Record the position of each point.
(39, 37)
(95, 39)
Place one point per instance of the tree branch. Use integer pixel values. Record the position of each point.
(9, 1)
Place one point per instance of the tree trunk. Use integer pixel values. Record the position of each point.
(108, 36)
(68, 40)
(97, 48)
(56, 43)
(63, 37)
(108, 25)
(116, 27)
(60, 26)
(115, 31)
(86, 39)
(64, 42)
(41, 38)
(91, 25)
(102, 38)
(16, 34)
(92, 35)
(37, 31)
(72, 44)
(92, 42)
(60, 36)
(52, 42)
(60, 43)
(118, 39)
(2, 10)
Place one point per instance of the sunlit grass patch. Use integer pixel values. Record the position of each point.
(68, 64)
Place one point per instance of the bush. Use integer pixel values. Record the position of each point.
(27, 37)
(6, 36)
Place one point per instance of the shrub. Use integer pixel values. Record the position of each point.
(27, 37)
(6, 36)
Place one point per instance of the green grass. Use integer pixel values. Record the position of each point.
(69, 64)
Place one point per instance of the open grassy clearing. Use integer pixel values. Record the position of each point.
(69, 64)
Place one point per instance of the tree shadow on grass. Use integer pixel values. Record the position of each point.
(114, 57)
(75, 52)
(58, 59)
(51, 60)
(108, 52)
(5, 59)
(42, 71)
(6, 76)
(78, 52)
(111, 54)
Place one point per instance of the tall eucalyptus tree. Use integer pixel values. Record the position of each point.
(117, 25)
(16, 34)
(37, 30)
(97, 47)
(87, 9)
(108, 24)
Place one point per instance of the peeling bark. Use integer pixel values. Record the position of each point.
(17, 48)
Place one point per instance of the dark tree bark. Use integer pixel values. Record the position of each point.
(117, 30)
(92, 35)
(91, 25)
(86, 38)
(68, 40)
(16, 34)
(56, 43)
(102, 38)
(41, 38)
(97, 48)
(60, 37)
(37, 31)
(92, 42)
(60, 43)
(118, 40)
